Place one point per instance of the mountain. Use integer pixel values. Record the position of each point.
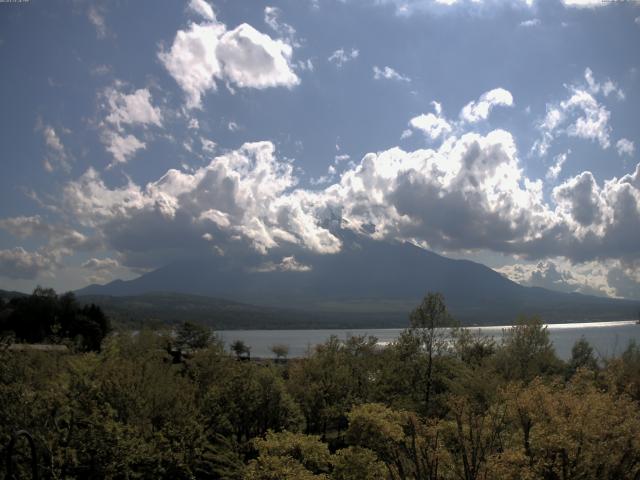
(8, 295)
(374, 279)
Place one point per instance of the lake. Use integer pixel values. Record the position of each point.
(607, 338)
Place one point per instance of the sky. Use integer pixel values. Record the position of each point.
(137, 133)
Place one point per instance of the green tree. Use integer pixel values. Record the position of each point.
(357, 463)
(281, 351)
(248, 400)
(410, 447)
(428, 323)
(192, 336)
(474, 436)
(572, 431)
(328, 383)
(581, 357)
(285, 455)
(527, 351)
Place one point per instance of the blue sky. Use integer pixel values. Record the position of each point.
(140, 132)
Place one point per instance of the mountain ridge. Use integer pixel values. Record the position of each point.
(373, 278)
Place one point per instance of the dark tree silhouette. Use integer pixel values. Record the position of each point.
(241, 349)
(46, 317)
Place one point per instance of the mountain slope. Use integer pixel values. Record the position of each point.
(370, 277)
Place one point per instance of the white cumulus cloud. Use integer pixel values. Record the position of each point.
(202, 9)
(625, 146)
(479, 110)
(206, 53)
(131, 109)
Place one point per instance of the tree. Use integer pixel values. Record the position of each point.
(527, 351)
(241, 349)
(570, 431)
(472, 349)
(281, 351)
(427, 323)
(357, 463)
(581, 357)
(324, 385)
(624, 372)
(289, 456)
(192, 336)
(46, 317)
(474, 436)
(410, 447)
(249, 399)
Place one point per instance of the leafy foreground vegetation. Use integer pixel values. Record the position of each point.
(425, 407)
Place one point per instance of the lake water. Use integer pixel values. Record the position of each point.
(607, 338)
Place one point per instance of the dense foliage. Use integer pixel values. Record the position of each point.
(47, 317)
(424, 407)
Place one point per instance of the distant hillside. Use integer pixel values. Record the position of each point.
(367, 282)
(7, 294)
(156, 309)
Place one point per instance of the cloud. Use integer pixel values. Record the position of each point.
(102, 269)
(59, 241)
(56, 153)
(251, 59)
(433, 126)
(624, 280)
(583, 3)
(388, 73)
(534, 22)
(244, 197)
(406, 133)
(122, 147)
(18, 263)
(328, 177)
(475, 111)
(272, 19)
(593, 124)
(101, 264)
(206, 53)
(95, 15)
(24, 227)
(193, 62)
(131, 109)
(557, 274)
(342, 56)
(470, 193)
(625, 146)
(122, 112)
(465, 195)
(581, 115)
(59, 238)
(288, 264)
(578, 198)
(607, 87)
(555, 169)
(478, 7)
(208, 146)
(202, 9)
